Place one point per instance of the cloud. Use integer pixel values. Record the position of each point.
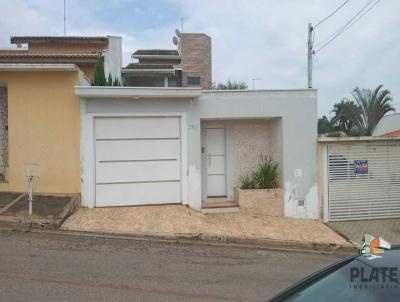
(250, 39)
(267, 39)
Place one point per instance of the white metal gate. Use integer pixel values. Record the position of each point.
(363, 180)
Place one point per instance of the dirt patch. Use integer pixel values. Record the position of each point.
(7, 197)
(48, 207)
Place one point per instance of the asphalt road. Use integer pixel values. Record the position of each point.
(47, 267)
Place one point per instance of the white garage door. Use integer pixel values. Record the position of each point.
(138, 160)
(364, 181)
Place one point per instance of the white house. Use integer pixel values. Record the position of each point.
(185, 145)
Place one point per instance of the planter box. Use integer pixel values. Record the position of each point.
(265, 202)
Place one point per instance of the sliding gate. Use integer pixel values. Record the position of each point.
(363, 180)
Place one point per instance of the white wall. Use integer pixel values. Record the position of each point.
(113, 58)
(298, 112)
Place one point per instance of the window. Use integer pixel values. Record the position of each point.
(193, 80)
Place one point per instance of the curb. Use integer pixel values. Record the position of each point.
(203, 239)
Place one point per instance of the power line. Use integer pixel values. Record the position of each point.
(370, 5)
(348, 22)
(331, 14)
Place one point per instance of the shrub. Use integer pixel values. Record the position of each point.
(333, 134)
(99, 78)
(247, 182)
(264, 177)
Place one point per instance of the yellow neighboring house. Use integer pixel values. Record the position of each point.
(39, 111)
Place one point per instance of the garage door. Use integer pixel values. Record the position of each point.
(138, 160)
(364, 181)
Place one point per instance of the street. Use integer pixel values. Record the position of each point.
(50, 267)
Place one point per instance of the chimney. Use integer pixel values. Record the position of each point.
(195, 52)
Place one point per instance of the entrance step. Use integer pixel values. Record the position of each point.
(219, 206)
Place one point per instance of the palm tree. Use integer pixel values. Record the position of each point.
(372, 106)
(344, 114)
(230, 85)
(324, 125)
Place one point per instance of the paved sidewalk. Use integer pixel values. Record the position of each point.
(48, 211)
(178, 220)
(355, 230)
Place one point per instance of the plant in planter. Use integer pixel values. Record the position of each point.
(259, 192)
(264, 177)
(247, 183)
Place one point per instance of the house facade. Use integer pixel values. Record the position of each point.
(125, 146)
(81, 51)
(41, 125)
(181, 145)
(39, 110)
(189, 65)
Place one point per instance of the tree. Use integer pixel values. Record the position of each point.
(373, 105)
(99, 77)
(324, 125)
(116, 82)
(230, 85)
(345, 113)
(109, 80)
(361, 115)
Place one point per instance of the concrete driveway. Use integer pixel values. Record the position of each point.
(173, 220)
(355, 230)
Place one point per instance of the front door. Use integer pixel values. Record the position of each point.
(216, 181)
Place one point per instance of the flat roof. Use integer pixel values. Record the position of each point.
(137, 92)
(259, 90)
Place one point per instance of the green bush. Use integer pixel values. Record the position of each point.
(264, 177)
(247, 182)
(333, 134)
(99, 77)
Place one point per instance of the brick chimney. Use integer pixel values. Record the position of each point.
(195, 52)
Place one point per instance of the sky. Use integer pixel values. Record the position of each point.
(264, 39)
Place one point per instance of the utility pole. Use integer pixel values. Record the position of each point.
(65, 27)
(310, 55)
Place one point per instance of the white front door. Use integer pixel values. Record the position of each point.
(216, 181)
(137, 160)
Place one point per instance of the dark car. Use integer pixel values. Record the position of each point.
(358, 278)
